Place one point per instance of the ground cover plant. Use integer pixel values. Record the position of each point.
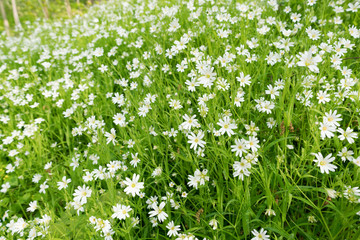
(183, 120)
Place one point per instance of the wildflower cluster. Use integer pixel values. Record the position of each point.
(193, 119)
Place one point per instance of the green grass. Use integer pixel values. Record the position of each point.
(31, 11)
(283, 176)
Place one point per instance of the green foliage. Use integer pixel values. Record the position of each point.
(65, 83)
(31, 10)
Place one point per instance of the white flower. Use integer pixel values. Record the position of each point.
(346, 154)
(133, 185)
(311, 2)
(88, 176)
(77, 205)
(272, 91)
(208, 76)
(189, 122)
(271, 122)
(159, 212)
(332, 118)
(331, 193)
(253, 143)
(270, 212)
(43, 187)
(32, 206)
(5, 187)
(196, 140)
(192, 84)
(176, 104)
(325, 163)
(121, 211)
(240, 147)
(198, 178)
(32, 234)
(154, 222)
(157, 172)
(135, 160)
(323, 97)
(260, 235)
(354, 32)
(349, 135)
(119, 119)
(63, 184)
(242, 165)
(213, 223)
(227, 125)
(356, 161)
(241, 169)
(251, 129)
(244, 80)
(307, 60)
(108, 234)
(327, 130)
(81, 194)
(351, 191)
(313, 34)
(173, 230)
(111, 136)
(264, 105)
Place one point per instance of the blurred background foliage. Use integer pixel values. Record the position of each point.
(31, 10)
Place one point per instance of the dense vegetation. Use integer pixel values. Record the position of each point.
(183, 120)
(32, 11)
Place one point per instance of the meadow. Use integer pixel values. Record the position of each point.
(194, 119)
